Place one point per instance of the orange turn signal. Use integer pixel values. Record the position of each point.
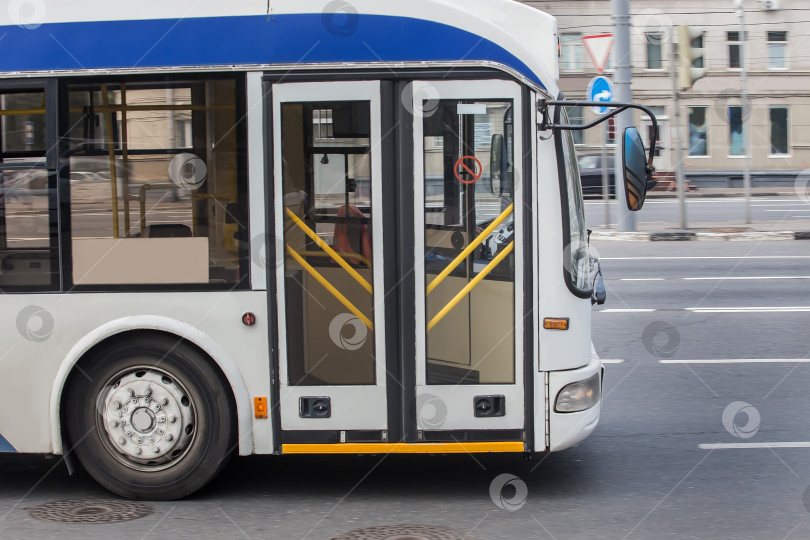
(260, 407)
(555, 324)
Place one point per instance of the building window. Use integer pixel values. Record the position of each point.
(777, 47)
(698, 132)
(736, 143)
(699, 43)
(734, 50)
(577, 116)
(571, 46)
(779, 131)
(654, 48)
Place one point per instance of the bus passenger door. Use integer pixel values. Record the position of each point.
(328, 230)
(469, 261)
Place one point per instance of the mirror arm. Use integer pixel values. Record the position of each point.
(544, 105)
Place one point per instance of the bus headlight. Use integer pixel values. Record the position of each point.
(579, 396)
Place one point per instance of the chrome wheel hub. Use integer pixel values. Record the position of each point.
(148, 417)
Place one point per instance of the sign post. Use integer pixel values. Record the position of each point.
(601, 89)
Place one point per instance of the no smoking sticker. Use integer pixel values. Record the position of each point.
(472, 166)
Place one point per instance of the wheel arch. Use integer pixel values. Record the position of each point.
(128, 325)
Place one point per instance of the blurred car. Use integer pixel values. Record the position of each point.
(590, 172)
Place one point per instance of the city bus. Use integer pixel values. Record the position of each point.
(289, 227)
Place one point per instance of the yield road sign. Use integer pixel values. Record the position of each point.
(600, 89)
(598, 48)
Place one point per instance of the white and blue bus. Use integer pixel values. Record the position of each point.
(289, 227)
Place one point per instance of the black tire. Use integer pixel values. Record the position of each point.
(174, 369)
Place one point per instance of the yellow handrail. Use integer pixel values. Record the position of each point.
(111, 148)
(322, 254)
(332, 253)
(469, 249)
(471, 285)
(329, 287)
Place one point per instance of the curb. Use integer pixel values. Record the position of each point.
(700, 236)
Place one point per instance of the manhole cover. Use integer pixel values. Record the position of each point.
(405, 532)
(90, 511)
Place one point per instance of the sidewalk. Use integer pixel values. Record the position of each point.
(794, 229)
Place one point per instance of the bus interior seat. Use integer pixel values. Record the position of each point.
(352, 235)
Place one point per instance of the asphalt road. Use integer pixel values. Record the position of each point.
(721, 211)
(642, 474)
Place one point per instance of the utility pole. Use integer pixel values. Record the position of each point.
(626, 220)
(745, 112)
(678, 132)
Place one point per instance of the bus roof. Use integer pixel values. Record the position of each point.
(148, 34)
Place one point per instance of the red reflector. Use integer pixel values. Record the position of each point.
(249, 319)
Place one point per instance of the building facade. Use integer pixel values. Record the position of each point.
(777, 57)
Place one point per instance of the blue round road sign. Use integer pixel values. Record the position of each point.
(600, 89)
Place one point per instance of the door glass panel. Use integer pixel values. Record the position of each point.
(28, 230)
(326, 182)
(469, 243)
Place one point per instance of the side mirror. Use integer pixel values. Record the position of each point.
(599, 295)
(497, 164)
(637, 171)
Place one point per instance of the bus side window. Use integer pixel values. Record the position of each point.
(158, 192)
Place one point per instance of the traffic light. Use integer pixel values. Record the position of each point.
(611, 129)
(690, 56)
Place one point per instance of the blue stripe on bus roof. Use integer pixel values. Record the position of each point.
(281, 39)
(5, 446)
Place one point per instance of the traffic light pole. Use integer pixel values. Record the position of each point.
(626, 220)
(676, 92)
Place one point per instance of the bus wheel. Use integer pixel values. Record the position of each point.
(150, 418)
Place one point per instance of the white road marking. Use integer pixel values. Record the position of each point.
(763, 309)
(613, 361)
(626, 310)
(706, 257)
(776, 309)
(722, 200)
(740, 361)
(744, 277)
(765, 445)
(643, 279)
